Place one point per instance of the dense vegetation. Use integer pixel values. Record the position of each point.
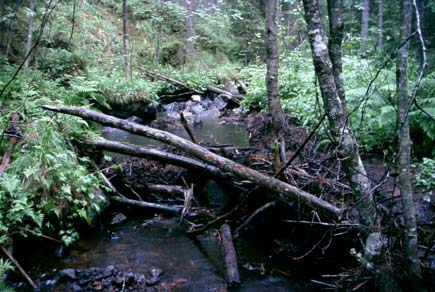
(78, 60)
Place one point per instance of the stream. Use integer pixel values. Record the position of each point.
(140, 245)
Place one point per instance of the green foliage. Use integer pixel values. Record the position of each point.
(47, 187)
(425, 177)
(5, 266)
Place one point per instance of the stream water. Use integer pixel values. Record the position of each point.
(139, 245)
(188, 265)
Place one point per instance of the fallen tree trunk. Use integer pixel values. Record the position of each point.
(173, 191)
(160, 156)
(143, 204)
(234, 97)
(232, 276)
(284, 190)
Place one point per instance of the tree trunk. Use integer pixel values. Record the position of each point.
(73, 20)
(275, 110)
(365, 26)
(285, 191)
(125, 39)
(347, 147)
(29, 42)
(335, 40)
(405, 185)
(380, 39)
(190, 6)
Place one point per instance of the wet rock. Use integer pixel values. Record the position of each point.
(210, 114)
(118, 218)
(69, 273)
(153, 276)
(196, 98)
(197, 109)
(76, 287)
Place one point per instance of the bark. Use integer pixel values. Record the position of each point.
(232, 276)
(29, 42)
(125, 39)
(334, 46)
(380, 39)
(142, 204)
(405, 184)
(285, 191)
(275, 109)
(347, 148)
(365, 26)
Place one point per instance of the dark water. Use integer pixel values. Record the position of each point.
(209, 130)
(188, 265)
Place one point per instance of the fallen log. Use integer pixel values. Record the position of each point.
(168, 79)
(14, 135)
(234, 97)
(143, 204)
(232, 276)
(285, 191)
(160, 156)
(173, 191)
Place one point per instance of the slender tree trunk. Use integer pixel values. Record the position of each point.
(159, 35)
(73, 20)
(347, 146)
(334, 45)
(29, 42)
(275, 110)
(285, 10)
(365, 26)
(190, 6)
(125, 39)
(380, 40)
(405, 185)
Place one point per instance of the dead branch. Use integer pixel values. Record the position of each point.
(285, 191)
(143, 204)
(25, 275)
(188, 129)
(253, 215)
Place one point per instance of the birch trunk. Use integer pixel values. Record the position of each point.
(347, 147)
(405, 185)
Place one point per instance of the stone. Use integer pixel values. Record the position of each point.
(196, 98)
(69, 273)
(118, 218)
